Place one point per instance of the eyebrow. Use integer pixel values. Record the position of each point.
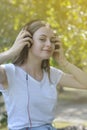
(46, 36)
(43, 35)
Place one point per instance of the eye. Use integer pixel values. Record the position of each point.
(42, 39)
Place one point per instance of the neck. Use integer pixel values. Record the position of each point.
(33, 68)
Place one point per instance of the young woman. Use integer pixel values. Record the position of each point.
(29, 83)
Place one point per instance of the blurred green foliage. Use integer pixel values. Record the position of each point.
(69, 17)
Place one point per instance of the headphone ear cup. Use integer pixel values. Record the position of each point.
(30, 44)
(57, 46)
(30, 41)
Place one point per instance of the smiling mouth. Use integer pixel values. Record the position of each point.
(48, 51)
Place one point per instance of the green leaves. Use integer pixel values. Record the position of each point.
(68, 17)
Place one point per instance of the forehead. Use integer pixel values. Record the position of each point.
(44, 31)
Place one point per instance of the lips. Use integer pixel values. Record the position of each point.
(48, 50)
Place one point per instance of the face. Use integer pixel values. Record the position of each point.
(43, 43)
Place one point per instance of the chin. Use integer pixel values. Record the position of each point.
(46, 58)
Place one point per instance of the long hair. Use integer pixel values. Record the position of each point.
(31, 27)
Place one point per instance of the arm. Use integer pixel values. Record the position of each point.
(5, 56)
(68, 80)
(80, 75)
(77, 74)
(14, 51)
(22, 39)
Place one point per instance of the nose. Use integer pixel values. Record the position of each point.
(49, 43)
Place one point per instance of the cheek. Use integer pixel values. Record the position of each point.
(35, 48)
(36, 45)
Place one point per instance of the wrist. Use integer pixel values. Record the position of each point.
(9, 54)
(5, 56)
(64, 64)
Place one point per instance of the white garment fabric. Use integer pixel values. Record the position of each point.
(42, 127)
(30, 103)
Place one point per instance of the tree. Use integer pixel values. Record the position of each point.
(69, 17)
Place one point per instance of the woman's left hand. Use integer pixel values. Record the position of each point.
(58, 54)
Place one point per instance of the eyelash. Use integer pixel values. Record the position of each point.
(50, 40)
(43, 39)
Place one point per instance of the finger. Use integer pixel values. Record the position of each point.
(28, 39)
(26, 34)
(23, 34)
(28, 44)
(56, 51)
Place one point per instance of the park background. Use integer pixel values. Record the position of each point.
(68, 17)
